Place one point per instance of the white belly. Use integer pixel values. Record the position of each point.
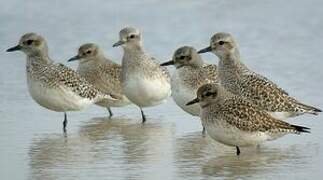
(59, 99)
(182, 95)
(232, 136)
(146, 92)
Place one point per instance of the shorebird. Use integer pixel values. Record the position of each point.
(191, 72)
(55, 86)
(101, 72)
(237, 78)
(144, 82)
(234, 121)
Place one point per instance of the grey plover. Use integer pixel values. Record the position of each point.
(55, 86)
(191, 72)
(101, 72)
(234, 121)
(239, 79)
(144, 81)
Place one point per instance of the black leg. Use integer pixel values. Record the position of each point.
(143, 116)
(110, 112)
(258, 146)
(64, 122)
(203, 132)
(238, 150)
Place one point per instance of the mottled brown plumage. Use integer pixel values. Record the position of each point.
(191, 73)
(101, 72)
(235, 121)
(56, 75)
(247, 117)
(240, 80)
(144, 82)
(203, 75)
(55, 86)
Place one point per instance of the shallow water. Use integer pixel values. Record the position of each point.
(282, 40)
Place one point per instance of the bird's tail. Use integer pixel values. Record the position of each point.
(309, 109)
(301, 129)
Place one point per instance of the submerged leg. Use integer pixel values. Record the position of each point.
(110, 112)
(258, 146)
(64, 122)
(143, 116)
(203, 132)
(238, 150)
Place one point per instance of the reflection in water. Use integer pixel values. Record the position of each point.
(121, 148)
(137, 140)
(196, 156)
(114, 147)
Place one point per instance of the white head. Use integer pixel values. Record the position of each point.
(185, 56)
(222, 44)
(31, 44)
(88, 52)
(129, 37)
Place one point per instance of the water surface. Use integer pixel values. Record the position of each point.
(282, 40)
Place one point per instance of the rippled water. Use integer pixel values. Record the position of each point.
(123, 148)
(282, 40)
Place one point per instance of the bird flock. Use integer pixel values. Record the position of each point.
(237, 106)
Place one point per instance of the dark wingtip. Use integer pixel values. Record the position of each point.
(116, 96)
(310, 109)
(317, 110)
(301, 129)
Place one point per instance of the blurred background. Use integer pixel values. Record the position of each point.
(282, 40)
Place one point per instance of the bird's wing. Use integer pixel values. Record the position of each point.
(263, 92)
(71, 79)
(259, 80)
(163, 68)
(247, 117)
(109, 81)
(211, 73)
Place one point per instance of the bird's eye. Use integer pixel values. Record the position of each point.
(29, 42)
(221, 42)
(132, 36)
(182, 57)
(88, 52)
(210, 94)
